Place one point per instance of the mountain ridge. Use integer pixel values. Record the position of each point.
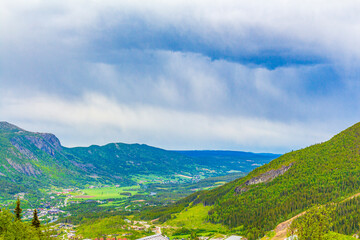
(29, 160)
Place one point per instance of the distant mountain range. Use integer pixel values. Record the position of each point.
(233, 160)
(31, 160)
(255, 204)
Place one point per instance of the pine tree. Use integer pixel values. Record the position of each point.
(35, 221)
(18, 210)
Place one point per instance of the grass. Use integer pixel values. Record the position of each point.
(114, 204)
(195, 218)
(105, 193)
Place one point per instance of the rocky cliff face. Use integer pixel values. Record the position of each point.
(45, 142)
(52, 140)
(26, 168)
(265, 177)
(16, 142)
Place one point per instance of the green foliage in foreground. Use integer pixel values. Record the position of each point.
(13, 229)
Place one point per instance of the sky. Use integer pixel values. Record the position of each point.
(262, 76)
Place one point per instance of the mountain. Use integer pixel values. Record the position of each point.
(29, 161)
(323, 173)
(233, 160)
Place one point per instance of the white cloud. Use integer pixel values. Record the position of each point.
(149, 64)
(96, 115)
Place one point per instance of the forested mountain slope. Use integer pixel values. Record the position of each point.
(288, 185)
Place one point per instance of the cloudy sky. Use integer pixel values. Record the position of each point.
(264, 76)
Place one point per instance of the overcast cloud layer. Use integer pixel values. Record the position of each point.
(242, 75)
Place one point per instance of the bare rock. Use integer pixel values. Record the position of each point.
(46, 142)
(16, 142)
(265, 177)
(26, 168)
(84, 167)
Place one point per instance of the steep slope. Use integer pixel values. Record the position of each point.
(288, 185)
(29, 161)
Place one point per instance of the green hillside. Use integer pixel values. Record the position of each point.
(34, 160)
(288, 185)
(119, 159)
(31, 161)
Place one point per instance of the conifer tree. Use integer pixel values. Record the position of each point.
(35, 221)
(18, 210)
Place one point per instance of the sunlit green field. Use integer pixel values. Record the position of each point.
(195, 218)
(105, 193)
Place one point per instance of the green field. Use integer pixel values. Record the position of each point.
(195, 218)
(105, 193)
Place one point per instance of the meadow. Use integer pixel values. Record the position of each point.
(106, 193)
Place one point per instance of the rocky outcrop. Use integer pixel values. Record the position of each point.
(265, 177)
(26, 168)
(52, 140)
(46, 142)
(85, 167)
(16, 142)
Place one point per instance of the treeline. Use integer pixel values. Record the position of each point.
(11, 226)
(346, 217)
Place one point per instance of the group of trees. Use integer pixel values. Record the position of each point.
(12, 228)
(314, 225)
(346, 217)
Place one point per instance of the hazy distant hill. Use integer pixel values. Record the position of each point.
(288, 185)
(31, 160)
(230, 160)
